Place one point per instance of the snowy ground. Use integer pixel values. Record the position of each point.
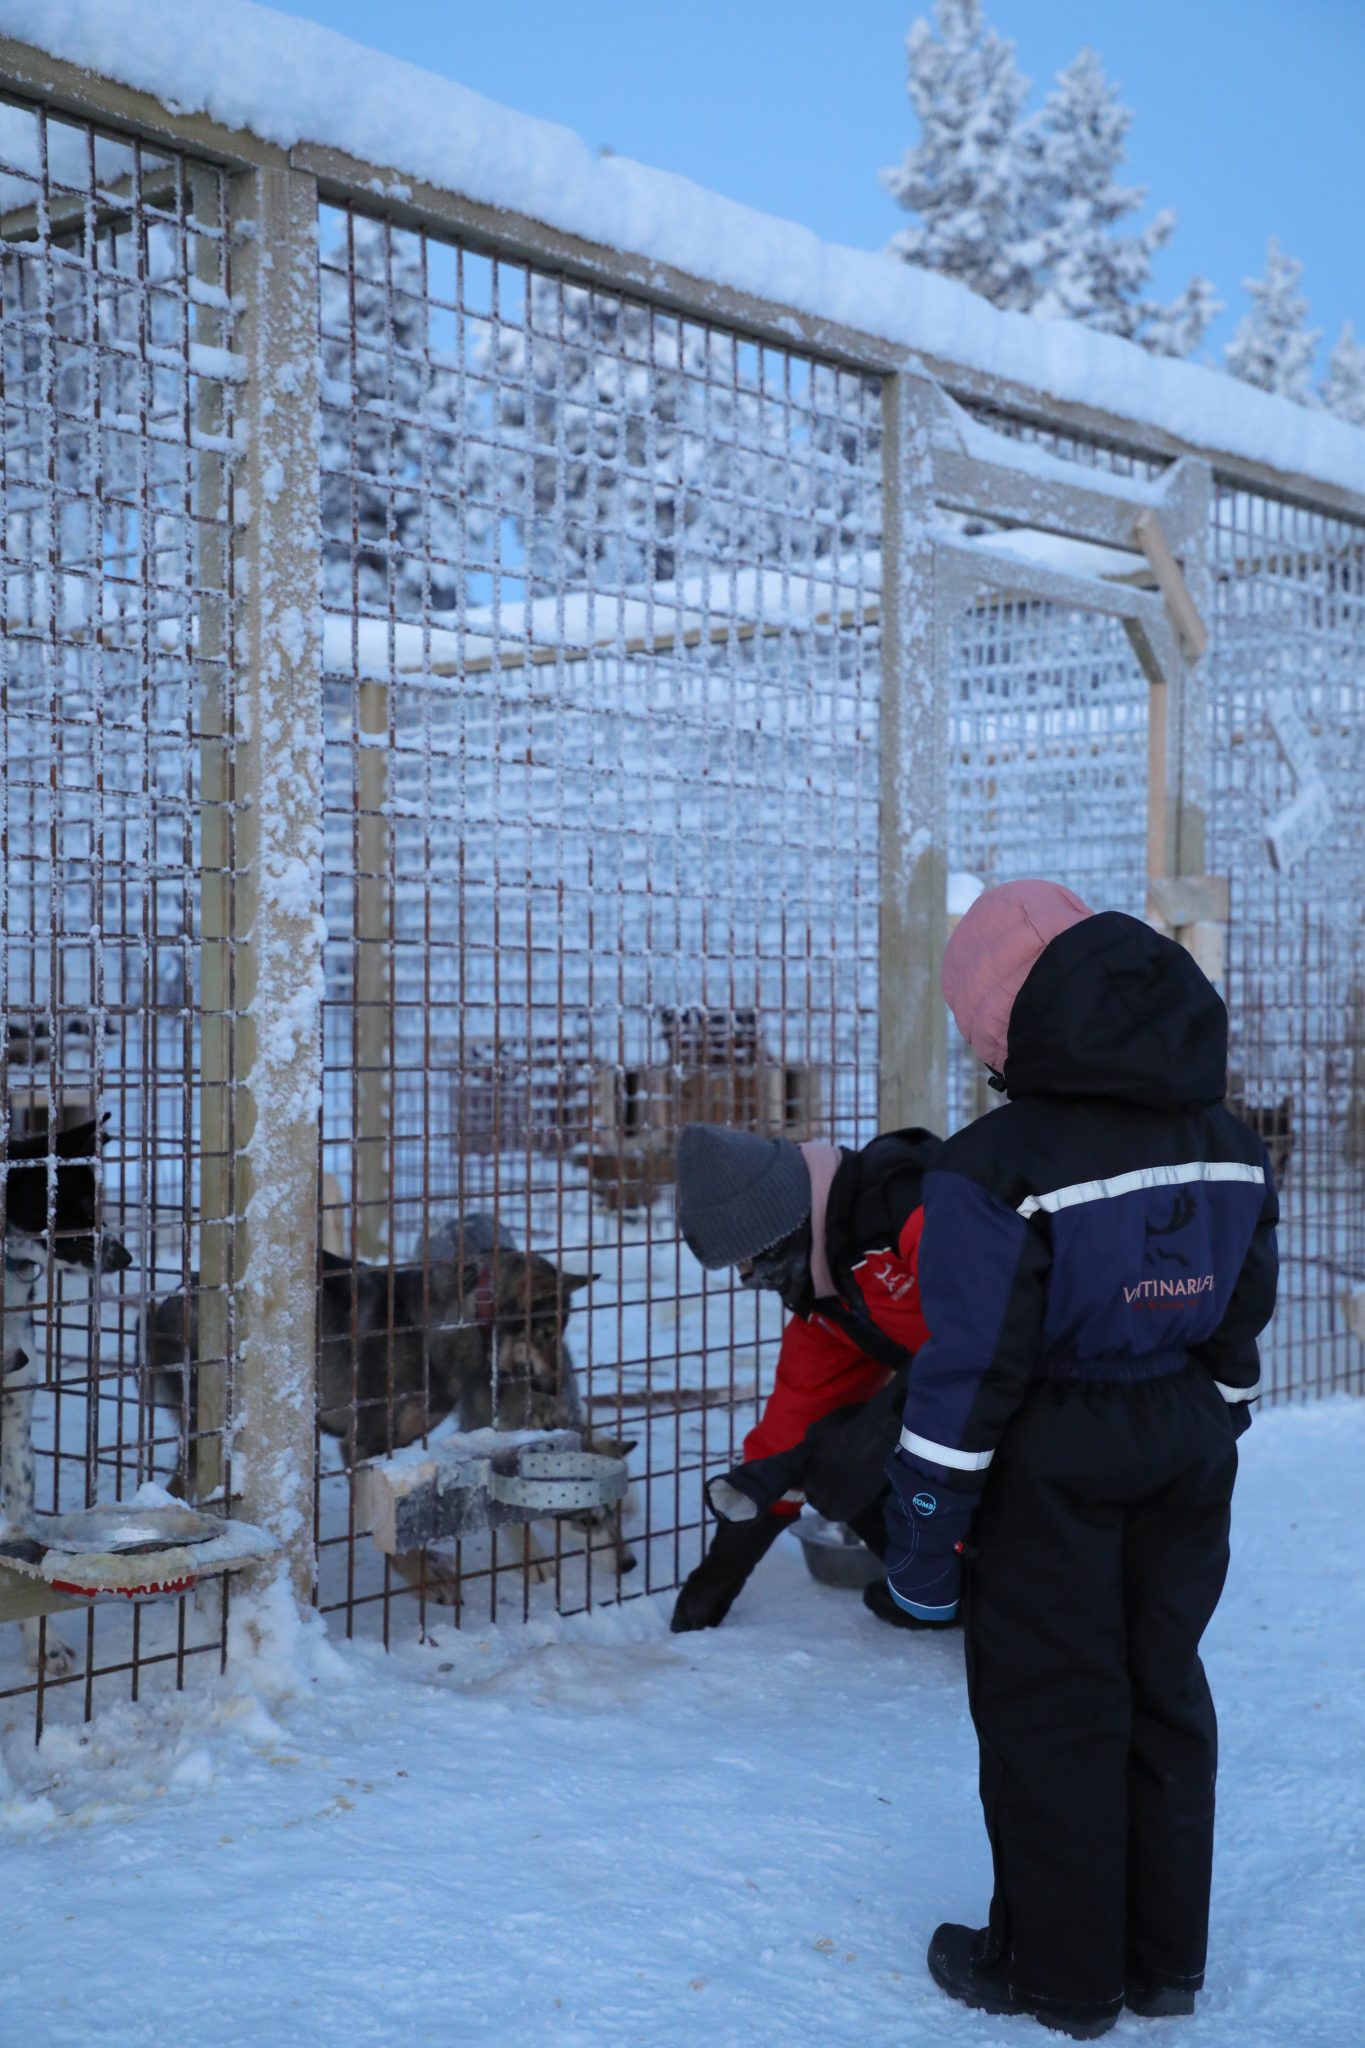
(593, 1832)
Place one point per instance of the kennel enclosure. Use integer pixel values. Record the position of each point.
(475, 700)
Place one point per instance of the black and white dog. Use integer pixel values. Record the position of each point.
(43, 1225)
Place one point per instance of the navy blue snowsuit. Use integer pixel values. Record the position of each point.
(1098, 1257)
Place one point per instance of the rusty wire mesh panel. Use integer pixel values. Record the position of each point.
(601, 704)
(1048, 714)
(115, 352)
(1047, 721)
(1290, 593)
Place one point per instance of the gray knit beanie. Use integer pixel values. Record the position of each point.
(737, 1193)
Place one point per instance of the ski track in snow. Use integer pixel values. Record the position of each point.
(590, 1831)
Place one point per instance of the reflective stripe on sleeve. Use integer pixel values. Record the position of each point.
(1142, 1177)
(1239, 1393)
(943, 1454)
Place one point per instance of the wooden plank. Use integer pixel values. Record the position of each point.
(1189, 899)
(1190, 629)
(277, 922)
(23, 1598)
(990, 490)
(72, 89)
(916, 614)
(1159, 833)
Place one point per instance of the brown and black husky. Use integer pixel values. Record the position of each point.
(475, 1330)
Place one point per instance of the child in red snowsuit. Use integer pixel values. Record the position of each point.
(836, 1234)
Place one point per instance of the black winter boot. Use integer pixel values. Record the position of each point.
(960, 1963)
(1158, 2002)
(710, 1591)
(877, 1598)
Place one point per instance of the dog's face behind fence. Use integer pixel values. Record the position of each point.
(75, 1238)
(534, 1384)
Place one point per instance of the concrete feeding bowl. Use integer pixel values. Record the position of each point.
(835, 1556)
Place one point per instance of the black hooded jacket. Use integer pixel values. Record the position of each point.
(1111, 1222)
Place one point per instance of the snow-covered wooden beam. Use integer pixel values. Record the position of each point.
(1190, 629)
(968, 565)
(1011, 482)
(1012, 496)
(618, 224)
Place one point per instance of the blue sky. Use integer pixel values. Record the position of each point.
(1247, 113)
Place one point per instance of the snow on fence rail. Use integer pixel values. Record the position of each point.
(473, 702)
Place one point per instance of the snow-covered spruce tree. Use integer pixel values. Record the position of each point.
(1024, 209)
(967, 176)
(1075, 147)
(1343, 390)
(1273, 347)
(1179, 328)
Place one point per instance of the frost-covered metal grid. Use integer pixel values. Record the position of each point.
(115, 353)
(1089, 451)
(1047, 723)
(1290, 617)
(601, 704)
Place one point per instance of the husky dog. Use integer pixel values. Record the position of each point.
(28, 1251)
(475, 1329)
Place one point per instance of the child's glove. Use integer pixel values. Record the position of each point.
(926, 1526)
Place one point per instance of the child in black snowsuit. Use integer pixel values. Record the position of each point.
(1098, 1257)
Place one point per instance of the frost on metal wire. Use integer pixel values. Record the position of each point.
(119, 373)
(1048, 775)
(1288, 712)
(601, 702)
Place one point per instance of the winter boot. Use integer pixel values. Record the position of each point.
(877, 1598)
(960, 1964)
(709, 1593)
(1158, 2002)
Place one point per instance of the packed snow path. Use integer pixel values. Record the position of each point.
(599, 1833)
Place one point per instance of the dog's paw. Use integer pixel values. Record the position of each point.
(60, 1659)
(440, 1583)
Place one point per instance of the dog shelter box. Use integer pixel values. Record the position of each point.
(461, 1485)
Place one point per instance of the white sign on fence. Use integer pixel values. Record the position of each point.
(1302, 823)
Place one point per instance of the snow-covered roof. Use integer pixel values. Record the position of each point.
(289, 81)
(572, 626)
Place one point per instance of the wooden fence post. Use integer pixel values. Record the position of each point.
(269, 968)
(914, 743)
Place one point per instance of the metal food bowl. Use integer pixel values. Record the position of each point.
(835, 1556)
(125, 1528)
(560, 1482)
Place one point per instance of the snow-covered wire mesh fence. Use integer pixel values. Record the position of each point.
(601, 696)
(115, 346)
(1048, 766)
(608, 645)
(1048, 723)
(1290, 587)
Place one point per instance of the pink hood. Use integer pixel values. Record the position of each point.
(989, 956)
